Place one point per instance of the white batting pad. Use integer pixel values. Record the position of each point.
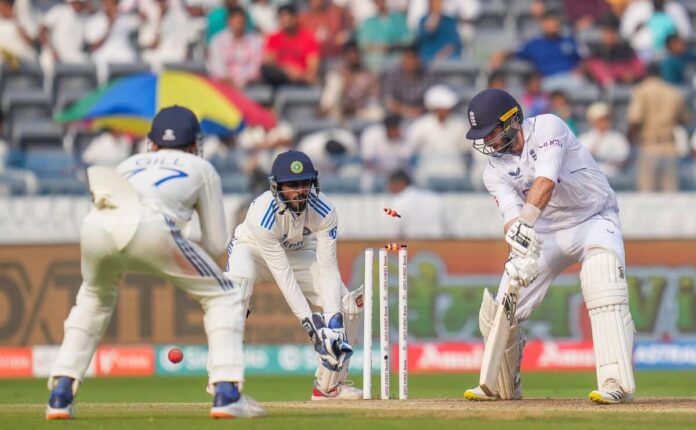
(605, 291)
(509, 381)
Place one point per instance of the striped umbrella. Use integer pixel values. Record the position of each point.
(129, 104)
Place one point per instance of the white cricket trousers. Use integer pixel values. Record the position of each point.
(563, 248)
(246, 266)
(159, 249)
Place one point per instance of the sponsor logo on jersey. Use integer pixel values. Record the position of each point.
(516, 173)
(551, 143)
(333, 233)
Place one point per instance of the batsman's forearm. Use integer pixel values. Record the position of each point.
(540, 193)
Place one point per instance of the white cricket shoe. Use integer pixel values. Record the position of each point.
(230, 403)
(611, 393)
(245, 407)
(343, 391)
(476, 394)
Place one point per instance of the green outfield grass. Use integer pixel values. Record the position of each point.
(665, 400)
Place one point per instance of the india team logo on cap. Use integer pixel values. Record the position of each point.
(296, 167)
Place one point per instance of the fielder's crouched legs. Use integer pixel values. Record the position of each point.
(224, 327)
(330, 385)
(605, 290)
(509, 380)
(83, 328)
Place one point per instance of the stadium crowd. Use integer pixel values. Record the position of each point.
(369, 89)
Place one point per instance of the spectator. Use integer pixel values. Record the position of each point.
(108, 35)
(332, 151)
(464, 11)
(437, 36)
(351, 90)
(646, 24)
(109, 148)
(360, 10)
(554, 55)
(62, 34)
(263, 14)
(234, 55)
(613, 60)
(261, 146)
(218, 19)
(535, 101)
(165, 37)
(609, 147)
(292, 54)
(673, 67)
(655, 110)
(381, 36)
(404, 85)
(330, 24)
(437, 137)
(384, 147)
(497, 79)
(584, 14)
(559, 105)
(422, 212)
(28, 15)
(15, 42)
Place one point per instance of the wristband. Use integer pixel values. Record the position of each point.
(529, 214)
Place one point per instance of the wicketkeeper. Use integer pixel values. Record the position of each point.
(289, 236)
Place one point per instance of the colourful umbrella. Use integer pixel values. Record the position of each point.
(129, 104)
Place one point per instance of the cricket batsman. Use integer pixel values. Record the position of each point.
(135, 225)
(558, 209)
(289, 236)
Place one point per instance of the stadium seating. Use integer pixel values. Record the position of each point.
(297, 103)
(26, 77)
(120, 70)
(70, 82)
(23, 106)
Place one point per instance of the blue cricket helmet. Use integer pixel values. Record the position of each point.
(174, 127)
(488, 109)
(293, 166)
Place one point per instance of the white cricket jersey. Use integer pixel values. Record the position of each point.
(176, 183)
(552, 151)
(275, 232)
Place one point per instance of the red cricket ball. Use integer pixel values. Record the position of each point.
(175, 355)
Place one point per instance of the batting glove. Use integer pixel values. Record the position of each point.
(523, 240)
(523, 270)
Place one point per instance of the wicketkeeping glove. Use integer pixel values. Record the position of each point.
(330, 345)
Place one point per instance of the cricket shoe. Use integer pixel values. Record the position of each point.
(477, 395)
(230, 403)
(611, 393)
(343, 391)
(60, 402)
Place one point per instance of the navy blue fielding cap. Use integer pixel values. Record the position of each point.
(293, 166)
(174, 127)
(488, 109)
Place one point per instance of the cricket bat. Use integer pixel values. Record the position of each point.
(497, 339)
